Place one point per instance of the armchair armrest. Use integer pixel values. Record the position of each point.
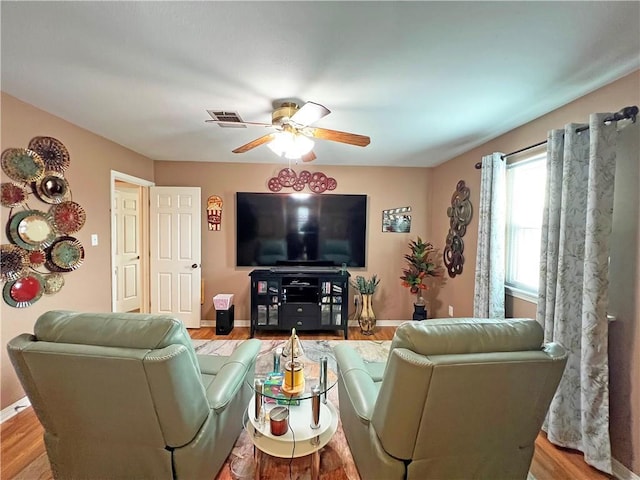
(359, 384)
(232, 374)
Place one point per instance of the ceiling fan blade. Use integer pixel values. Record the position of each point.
(253, 124)
(308, 157)
(255, 143)
(309, 113)
(337, 136)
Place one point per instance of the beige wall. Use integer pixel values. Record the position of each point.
(385, 188)
(92, 159)
(624, 346)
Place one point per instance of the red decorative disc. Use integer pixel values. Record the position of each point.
(274, 184)
(26, 289)
(37, 258)
(68, 217)
(287, 177)
(12, 194)
(304, 176)
(299, 186)
(332, 183)
(318, 182)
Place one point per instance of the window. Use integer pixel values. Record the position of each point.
(525, 202)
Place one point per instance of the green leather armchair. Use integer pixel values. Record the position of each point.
(124, 396)
(458, 398)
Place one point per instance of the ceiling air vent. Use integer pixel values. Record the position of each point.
(230, 119)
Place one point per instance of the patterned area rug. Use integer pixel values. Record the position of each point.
(336, 462)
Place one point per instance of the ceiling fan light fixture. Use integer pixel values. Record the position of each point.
(291, 145)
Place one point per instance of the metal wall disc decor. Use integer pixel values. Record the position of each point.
(65, 255)
(68, 217)
(12, 195)
(31, 229)
(13, 262)
(460, 213)
(22, 165)
(52, 151)
(24, 291)
(38, 238)
(53, 283)
(52, 188)
(318, 182)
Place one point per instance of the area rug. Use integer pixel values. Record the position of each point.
(336, 462)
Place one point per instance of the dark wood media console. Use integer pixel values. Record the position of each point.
(304, 298)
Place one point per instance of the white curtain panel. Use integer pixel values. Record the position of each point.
(488, 299)
(572, 299)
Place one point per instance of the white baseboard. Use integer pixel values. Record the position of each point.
(14, 409)
(621, 472)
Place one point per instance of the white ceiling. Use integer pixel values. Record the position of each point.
(425, 80)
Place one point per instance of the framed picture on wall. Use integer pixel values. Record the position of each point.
(396, 220)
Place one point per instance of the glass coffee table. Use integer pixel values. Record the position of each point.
(303, 436)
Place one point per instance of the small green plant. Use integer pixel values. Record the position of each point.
(365, 286)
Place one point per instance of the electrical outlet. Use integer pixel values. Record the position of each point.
(451, 310)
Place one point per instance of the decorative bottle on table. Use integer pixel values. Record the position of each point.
(294, 373)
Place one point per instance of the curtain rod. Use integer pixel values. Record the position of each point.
(625, 113)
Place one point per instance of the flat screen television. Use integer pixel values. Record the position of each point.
(298, 229)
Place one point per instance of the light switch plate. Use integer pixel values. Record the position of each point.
(451, 310)
(94, 239)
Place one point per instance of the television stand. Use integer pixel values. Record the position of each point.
(304, 298)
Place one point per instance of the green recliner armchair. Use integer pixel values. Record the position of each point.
(460, 398)
(123, 396)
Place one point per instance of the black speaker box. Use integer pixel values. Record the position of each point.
(224, 321)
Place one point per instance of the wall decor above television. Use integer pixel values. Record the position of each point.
(287, 229)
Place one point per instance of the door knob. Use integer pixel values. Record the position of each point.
(195, 265)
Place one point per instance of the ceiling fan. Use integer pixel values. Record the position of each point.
(294, 134)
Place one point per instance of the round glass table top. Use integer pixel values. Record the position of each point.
(270, 369)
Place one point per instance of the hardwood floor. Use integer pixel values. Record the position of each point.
(21, 436)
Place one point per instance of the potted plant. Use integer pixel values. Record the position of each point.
(366, 317)
(420, 265)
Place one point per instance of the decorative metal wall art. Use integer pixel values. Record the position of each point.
(460, 213)
(214, 212)
(318, 182)
(38, 238)
(396, 220)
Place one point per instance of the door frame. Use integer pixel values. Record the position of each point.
(145, 302)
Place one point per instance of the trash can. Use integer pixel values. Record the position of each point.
(223, 304)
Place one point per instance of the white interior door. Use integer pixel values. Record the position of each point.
(126, 209)
(175, 225)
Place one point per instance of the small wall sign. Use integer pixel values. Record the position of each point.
(214, 212)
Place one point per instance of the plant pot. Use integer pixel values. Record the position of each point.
(367, 318)
(419, 312)
(420, 308)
